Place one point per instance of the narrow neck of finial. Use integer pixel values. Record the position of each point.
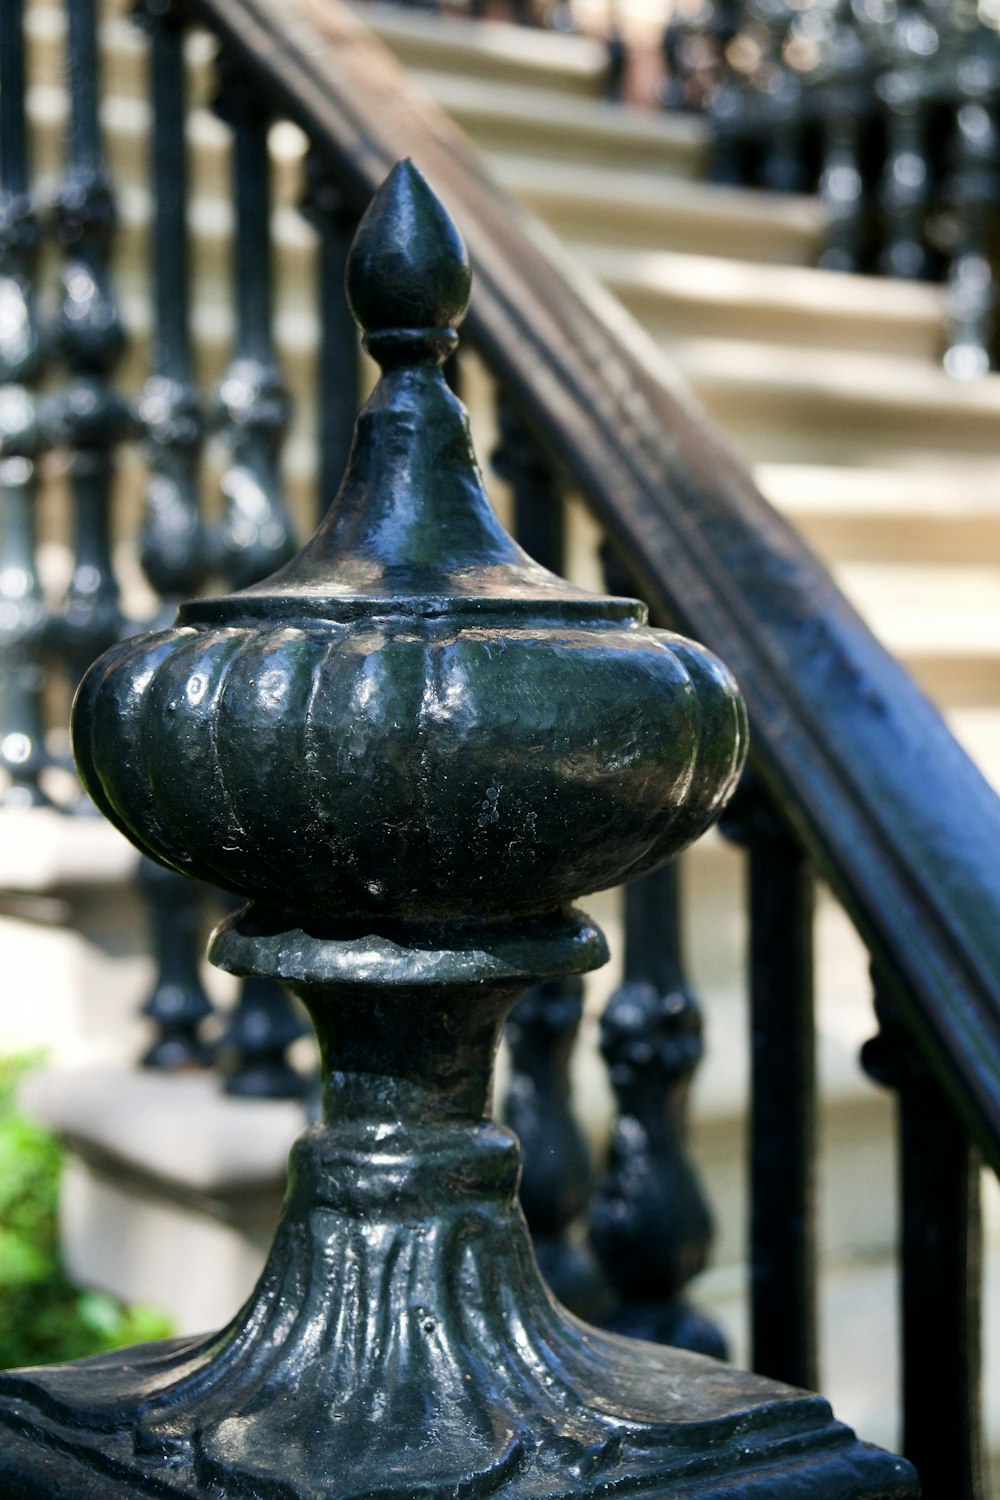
(410, 348)
(403, 1055)
(412, 511)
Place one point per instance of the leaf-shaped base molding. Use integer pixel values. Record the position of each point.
(401, 1344)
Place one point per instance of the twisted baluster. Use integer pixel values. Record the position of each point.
(88, 418)
(22, 613)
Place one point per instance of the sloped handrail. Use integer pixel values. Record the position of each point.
(891, 809)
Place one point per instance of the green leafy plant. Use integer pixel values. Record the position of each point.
(43, 1316)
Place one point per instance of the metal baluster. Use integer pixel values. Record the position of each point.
(338, 373)
(783, 1092)
(941, 1268)
(23, 617)
(555, 1183)
(649, 1222)
(841, 192)
(172, 541)
(973, 188)
(616, 71)
(905, 189)
(177, 1003)
(543, 1026)
(539, 517)
(252, 402)
(779, 91)
(843, 94)
(263, 1026)
(674, 41)
(88, 418)
(727, 97)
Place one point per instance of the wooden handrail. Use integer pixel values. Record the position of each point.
(890, 808)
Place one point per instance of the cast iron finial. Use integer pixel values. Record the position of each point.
(408, 278)
(411, 749)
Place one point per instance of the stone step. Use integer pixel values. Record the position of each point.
(642, 210)
(832, 406)
(712, 296)
(946, 514)
(495, 50)
(519, 119)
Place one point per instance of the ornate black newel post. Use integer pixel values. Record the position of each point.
(322, 745)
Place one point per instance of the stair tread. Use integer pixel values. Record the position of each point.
(934, 608)
(862, 378)
(601, 187)
(802, 290)
(482, 104)
(576, 63)
(947, 494)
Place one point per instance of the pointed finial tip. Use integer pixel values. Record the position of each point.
(408, 267)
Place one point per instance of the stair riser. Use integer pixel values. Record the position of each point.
(694, 229)
(666, 317)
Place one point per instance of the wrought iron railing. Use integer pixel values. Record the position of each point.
(855, 775)
(887, 109)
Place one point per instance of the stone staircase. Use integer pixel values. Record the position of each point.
(829, 386)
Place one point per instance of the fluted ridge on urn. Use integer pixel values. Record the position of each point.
(412, 718)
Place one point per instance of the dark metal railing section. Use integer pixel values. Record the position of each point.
(887, 108)
(89, 417)
(83, 416)
(23, 620)
(855, 778)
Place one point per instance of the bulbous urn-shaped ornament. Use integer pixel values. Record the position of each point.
(412, 716)
(411, 750)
